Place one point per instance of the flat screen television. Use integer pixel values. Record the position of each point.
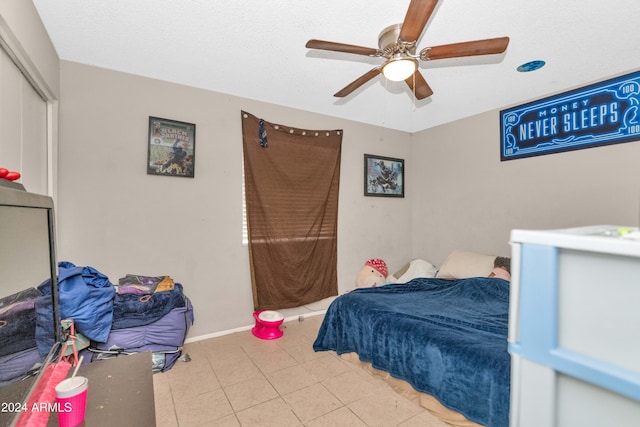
(27, 265)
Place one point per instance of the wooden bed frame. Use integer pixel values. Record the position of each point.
(405, 389)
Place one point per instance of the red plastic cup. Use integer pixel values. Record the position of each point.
(71, 398)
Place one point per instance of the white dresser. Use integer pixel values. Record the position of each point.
(574, 328)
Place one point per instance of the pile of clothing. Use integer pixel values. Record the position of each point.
(149, 314)
(139, 314)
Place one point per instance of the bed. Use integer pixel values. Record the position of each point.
(445, 336)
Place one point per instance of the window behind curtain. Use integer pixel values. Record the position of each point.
(291, 186)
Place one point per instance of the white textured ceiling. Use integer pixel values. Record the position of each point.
(256, 49)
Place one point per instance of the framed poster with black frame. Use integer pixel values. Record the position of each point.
(383, 176)
(171, 148)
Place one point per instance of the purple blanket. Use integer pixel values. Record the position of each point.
(19, 365)
(164, 334)
(18, 321)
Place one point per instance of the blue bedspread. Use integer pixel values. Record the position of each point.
(447, 338)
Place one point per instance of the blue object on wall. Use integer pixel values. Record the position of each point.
(603, 113)
(527, 67)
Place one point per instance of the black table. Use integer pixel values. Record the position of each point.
(120, 392)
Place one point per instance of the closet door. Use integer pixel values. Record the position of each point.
(23, 127)
(10, 112)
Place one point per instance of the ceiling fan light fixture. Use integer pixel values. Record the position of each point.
(399, 68)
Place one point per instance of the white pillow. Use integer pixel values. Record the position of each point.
(462, 264)
(418, 268)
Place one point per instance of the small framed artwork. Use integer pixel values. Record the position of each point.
(383, 176)
(172, 148)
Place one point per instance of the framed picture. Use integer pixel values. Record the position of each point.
(383, 176)
(172, 148)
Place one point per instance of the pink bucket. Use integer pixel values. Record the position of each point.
(267, 324)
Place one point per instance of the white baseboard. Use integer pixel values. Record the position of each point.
(246, 328)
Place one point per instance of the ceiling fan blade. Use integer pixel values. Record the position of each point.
(422, 89)
(472, 48)
(357, 82)
(416, 18)
(342, 47)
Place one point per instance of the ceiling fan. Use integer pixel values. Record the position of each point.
(397, 43)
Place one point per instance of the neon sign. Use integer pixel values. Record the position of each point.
(603, 113)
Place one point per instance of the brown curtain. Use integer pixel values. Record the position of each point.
(291, 187)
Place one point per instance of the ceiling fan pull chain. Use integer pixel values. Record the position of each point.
(414, 90)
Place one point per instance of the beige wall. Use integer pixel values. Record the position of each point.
(468, 199)
(116, 218)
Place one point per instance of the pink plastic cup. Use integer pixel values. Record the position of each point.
(71, 398)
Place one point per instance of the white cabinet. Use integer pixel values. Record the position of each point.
(574, 328)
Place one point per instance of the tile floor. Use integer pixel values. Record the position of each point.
(240, 380)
